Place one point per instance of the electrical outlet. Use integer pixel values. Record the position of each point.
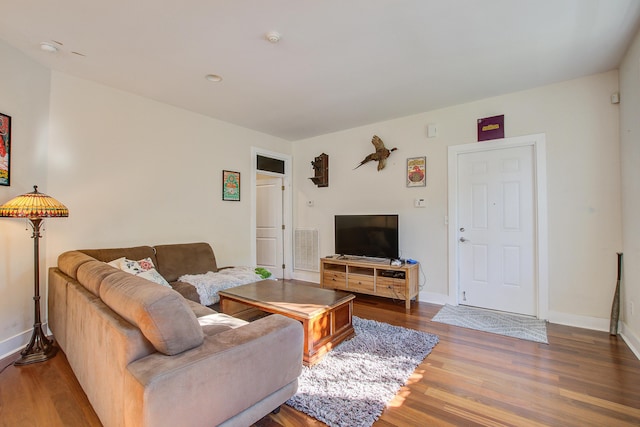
(631, 307)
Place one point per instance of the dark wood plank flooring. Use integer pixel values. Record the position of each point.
(582, 378)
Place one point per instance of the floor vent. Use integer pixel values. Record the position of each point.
(306, 250)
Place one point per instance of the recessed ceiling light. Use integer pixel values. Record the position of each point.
(48, 47)
(273, 37)
(213, 78)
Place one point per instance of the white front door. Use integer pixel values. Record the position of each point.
(495, 230)
(269, 222)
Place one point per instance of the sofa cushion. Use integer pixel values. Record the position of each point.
(136, 252)
(161, 313)
(92, 273)
(69, 262)
(177, 260)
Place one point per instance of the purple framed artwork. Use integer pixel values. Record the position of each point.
(5, 149)
(491, 128)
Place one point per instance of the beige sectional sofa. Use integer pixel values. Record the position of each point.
(147, 356)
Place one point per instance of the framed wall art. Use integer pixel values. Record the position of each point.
(416, 172)
(231, 186)
(491, 128)
(5, 149)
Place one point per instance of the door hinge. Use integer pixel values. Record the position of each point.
(283, 188)
(283, 266)
(283, 226)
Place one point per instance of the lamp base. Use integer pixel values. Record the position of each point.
(39, 349)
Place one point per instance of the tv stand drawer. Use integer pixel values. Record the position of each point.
(334, 279)
(360, 283)
(392, 288)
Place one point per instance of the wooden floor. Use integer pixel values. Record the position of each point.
(582, 378)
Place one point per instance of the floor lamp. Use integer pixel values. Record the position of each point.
(35, 206)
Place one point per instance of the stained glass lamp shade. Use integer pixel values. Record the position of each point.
(33, 205)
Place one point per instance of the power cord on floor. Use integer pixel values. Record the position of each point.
(3, 369)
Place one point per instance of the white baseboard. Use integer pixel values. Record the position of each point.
(587, 322)
(632, 340)
(307, 276)
(434, 298)
(14, 343)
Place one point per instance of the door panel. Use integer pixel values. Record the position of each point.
(496, 229)
(269, 220)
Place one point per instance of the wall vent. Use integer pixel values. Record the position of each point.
(306, 247)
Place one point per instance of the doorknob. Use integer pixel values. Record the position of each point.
(462, 239)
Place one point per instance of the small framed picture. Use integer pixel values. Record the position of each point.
(231, 186)
(416, 172)
(5, 149)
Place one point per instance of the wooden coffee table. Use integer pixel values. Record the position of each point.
(325, 314)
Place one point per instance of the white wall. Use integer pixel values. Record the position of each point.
(135, 171)
(24, 95)
(583, 171)
(630, 147)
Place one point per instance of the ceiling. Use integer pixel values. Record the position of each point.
(339, 63)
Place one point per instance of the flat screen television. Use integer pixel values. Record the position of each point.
(374, 236)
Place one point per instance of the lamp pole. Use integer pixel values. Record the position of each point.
(40, 348)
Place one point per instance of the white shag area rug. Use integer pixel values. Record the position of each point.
(353, 383)
(511, 325)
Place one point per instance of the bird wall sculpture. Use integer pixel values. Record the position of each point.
(381, 154)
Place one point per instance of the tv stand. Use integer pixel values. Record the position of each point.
(370, 277)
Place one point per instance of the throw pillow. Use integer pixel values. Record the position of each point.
(153, 275)
(143, 268)
(117, 263)
(137, 267)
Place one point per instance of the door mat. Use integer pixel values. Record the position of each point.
(496, 322)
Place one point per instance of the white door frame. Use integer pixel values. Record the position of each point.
(287, 215)
(538, 143)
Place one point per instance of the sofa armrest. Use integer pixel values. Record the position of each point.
(228, 373)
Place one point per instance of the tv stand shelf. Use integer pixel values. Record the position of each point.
(371, 277)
